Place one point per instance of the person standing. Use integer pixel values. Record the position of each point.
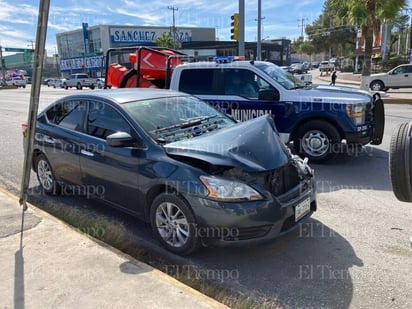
(333, 78)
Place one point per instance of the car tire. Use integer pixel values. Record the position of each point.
(174, 224)
(79, 86)
(65, 86)
(400, 167)
(377, 85)
(317, 140)
(45, 176)
(92, 87)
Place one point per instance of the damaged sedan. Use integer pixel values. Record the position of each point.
(196, 175)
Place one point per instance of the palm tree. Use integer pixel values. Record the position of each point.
(165, 40)
(368, 16)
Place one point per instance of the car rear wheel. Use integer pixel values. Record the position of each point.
(400, 163)
(79, 86)
(174, 224)
(317, 140)
(377, 85)
(45, 176)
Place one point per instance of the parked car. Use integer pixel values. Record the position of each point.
(299, 68)
(398, 77)
(197, 175)
(53, 82)
(16, 81)
(46, 81)
(100, 83)
(288, 68)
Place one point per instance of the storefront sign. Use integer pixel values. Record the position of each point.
(128, 35)
(77, 63)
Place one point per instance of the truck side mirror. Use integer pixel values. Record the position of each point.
(268, 95)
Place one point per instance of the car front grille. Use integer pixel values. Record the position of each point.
(281, 180)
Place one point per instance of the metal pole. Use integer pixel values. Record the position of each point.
(259, 32)
(3, 72)
(34, 97)
(241, 28)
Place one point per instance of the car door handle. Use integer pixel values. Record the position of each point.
(87, 153)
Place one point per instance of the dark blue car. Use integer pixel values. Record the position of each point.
(195, 174)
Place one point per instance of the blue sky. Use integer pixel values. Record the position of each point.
(280, 18)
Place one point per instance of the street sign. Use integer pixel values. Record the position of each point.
(18, 50)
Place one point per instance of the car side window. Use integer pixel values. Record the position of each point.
(103, 120)
(241, 82)
(68, 114)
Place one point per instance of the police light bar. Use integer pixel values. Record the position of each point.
(223, 59)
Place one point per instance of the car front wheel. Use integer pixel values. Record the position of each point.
(317, 140)
(45, 176)
(377, 85)
(174, 224)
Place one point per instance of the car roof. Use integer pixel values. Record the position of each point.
(124, 95)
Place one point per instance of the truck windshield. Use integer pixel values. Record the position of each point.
(283, 78)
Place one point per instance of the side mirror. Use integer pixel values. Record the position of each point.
(120, 139)
(268, 95)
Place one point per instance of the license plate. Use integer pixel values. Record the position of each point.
(302, 209)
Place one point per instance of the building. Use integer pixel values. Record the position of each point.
(83, 50)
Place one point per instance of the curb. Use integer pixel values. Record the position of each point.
(159, 274)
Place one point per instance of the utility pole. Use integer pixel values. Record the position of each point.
(301, 20)
(259, 32)
(241, 45)
(2, 63)
(173, 25)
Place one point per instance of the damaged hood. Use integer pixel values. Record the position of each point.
(253, 146)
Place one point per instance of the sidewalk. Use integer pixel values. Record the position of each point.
(57, 267)
(353, 80)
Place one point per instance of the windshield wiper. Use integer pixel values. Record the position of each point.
(186, 124)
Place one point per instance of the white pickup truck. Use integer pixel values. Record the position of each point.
(79, 80)
(326, 67)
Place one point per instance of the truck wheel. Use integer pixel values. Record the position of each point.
(317, 140)
(174, 224)
(92, 87)
(400, 159)
(79, 86)
(376, 85)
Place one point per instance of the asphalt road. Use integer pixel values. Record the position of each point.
(355, 252)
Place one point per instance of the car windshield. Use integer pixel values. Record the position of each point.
(284, 78)
(177, 118)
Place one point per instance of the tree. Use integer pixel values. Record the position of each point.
(331, 34)
(165, 40)
(368, 15)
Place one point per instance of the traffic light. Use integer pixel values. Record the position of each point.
(234, 27)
